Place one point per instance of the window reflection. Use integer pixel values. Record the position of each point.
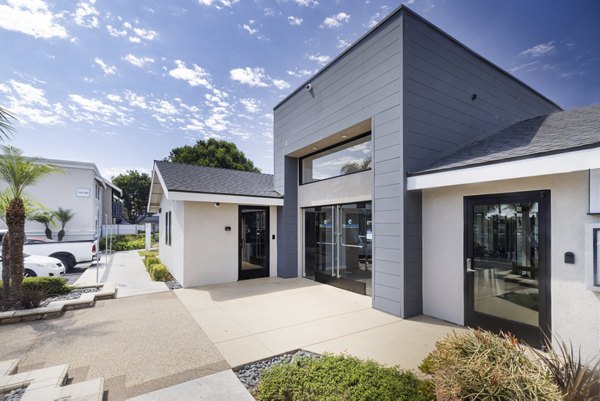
(351, 157)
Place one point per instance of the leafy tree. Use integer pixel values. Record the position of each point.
(353, 167)
(63, 216)
(213, 153)
(136, 188)
(18, 172)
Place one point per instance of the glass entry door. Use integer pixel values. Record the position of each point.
(506, 265)
(254, 242)
(338, 245)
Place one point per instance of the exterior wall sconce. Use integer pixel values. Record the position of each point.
(227, 228)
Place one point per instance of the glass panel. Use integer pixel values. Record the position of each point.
(318, 242)
(254, 239)
(348, 158)
(356, 244)
(506, 261)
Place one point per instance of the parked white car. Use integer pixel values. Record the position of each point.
(70, 253)
(41, 266)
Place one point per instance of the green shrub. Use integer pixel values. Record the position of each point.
(32, 296)
(124, 242)
(340, 378)
(151, 260)
(52, 285)
(159, 272)
(480, 365)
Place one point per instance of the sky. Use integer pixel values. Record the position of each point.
(121, 83)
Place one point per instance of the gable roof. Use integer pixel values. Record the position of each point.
(211, 180)
(560, 132)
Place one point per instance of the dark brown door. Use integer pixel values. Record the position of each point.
(254, 242)
(507, 264)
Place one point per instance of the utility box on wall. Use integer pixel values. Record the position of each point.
(594, 205)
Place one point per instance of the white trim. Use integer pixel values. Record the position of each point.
(589, 257)
(554, 164)
(236, 199)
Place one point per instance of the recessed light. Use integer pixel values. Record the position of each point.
(344, 136)
(315, 148)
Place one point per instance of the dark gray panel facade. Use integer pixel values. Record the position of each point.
(287, 223)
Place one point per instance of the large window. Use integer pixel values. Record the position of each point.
(350, 157)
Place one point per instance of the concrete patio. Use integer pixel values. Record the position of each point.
(255, 319)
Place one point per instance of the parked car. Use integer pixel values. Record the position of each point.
(70, 253)
(41, 266)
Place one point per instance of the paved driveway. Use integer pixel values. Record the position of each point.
(138, 344)
(254, 319)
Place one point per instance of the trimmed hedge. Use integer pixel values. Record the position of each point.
(341, 378)
(36, 289)
(124, 242)
(159, 272)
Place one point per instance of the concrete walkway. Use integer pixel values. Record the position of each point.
(137, 344)
(222, 386)
(255, 319)
(127, 270)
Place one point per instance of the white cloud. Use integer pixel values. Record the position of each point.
(194, 77)
(295, 20)
(164, 107)
(94, 105)
(539, 50)
(108, 69)
(31, 17)
(300, 73)
(29, 104)
(525, 65)
(218, 3)
(307, 3)
(138, 61)
(135, 39)
(86, 15)
(115, 32)
(280, 84)
(136, 100)
(114, 98)
(249, 76)
(342, 43)
(249, 29)
(319, 58)
(269, 12)
(194, 125)
(146, 34)
(335, 20)
(251, 105)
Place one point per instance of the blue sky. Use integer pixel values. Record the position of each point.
(120, 83)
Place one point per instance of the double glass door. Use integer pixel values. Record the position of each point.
(338, 245)
(507, 272)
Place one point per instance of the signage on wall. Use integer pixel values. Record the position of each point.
(83, 192)
(594, 191)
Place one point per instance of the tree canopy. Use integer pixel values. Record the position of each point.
(212, 153)
(136, 188)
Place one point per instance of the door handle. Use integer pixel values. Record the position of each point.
(470, 266)
(471, 271)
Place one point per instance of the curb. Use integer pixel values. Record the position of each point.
(57, 308)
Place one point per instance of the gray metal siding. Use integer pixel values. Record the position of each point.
(287, 223)
(439, 78)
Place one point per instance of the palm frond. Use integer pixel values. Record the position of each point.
(19, 171)
(6, 124)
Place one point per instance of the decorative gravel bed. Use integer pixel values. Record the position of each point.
(75, 294)
(250, 374)
(14, 395)
(173, 284)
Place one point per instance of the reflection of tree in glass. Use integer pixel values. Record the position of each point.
(353, 167)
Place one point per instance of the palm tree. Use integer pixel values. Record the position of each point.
(353, 167)
(47, 219)
(63, 216)
(18, 172)
(6, 127)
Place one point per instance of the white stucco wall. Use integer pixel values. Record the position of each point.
(210, 254)
(172, 255)
(575, 310)
(59, 189)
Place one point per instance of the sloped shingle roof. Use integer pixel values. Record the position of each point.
(211, 180)
(554, 133)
